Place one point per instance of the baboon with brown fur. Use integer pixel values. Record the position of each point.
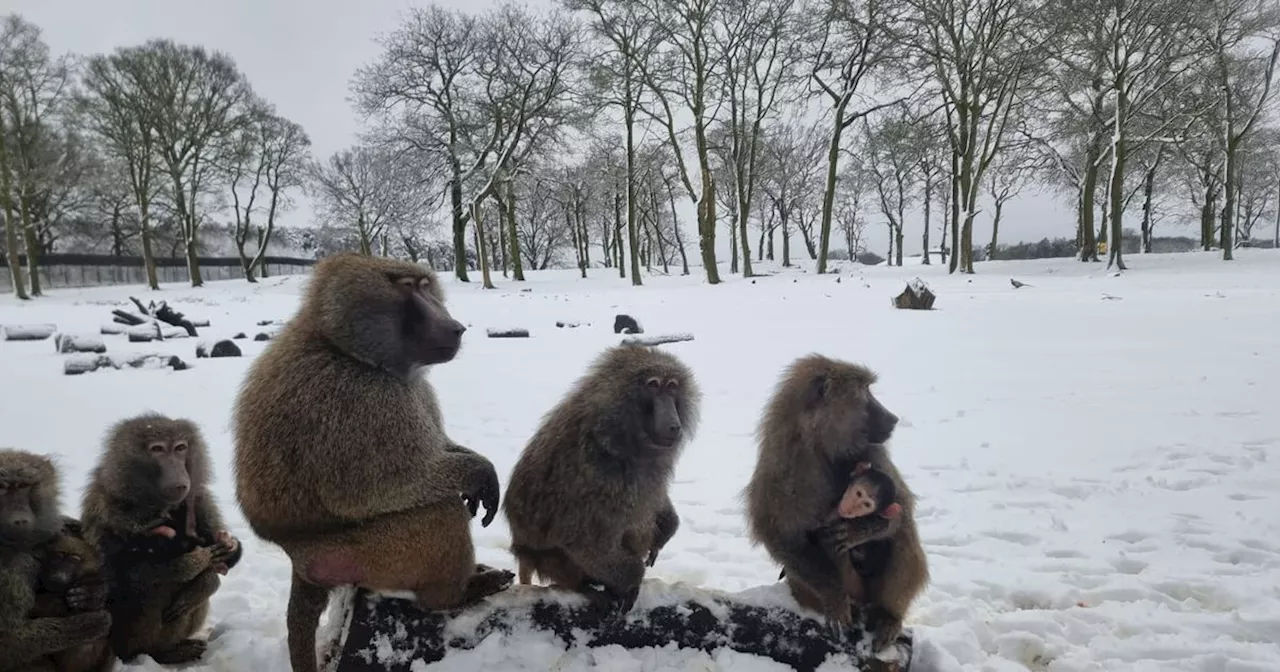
(821, 421)
(72, 582)
(341, 456)
(152, 477)
(587, 502)
(29, 521)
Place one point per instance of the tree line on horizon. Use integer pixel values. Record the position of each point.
(582, 135)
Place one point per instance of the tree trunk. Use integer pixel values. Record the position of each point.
(955, 212)
(928, 198)
(786, 237)
(829, 194)
(482, 254)
(632, 235)
(888, 257)
(1230, 179)
(707, 219)
(517, 268)
(32, 245)
(11, 247)
(1275, 243)
(760, 245)
(995, 230)
(1148, 192)
(733, 242)
(617, 236)
(1119, 154)
(675, 226)
(459, 225)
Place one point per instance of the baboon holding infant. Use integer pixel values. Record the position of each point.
(341, 457)
(587, 502)
(820, 424)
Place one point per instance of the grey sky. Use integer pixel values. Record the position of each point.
(300, 55)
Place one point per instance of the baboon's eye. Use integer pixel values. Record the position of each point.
(673, 384)
(423, 283)
(180, 447)
(406, 282)
(654, 383)
(74, 558)
(22, 486)
(156, 448)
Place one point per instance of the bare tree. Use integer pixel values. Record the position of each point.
(979, 53)
(1244, 39)
(369, 191)
(853, 187)
(113, 108)
(852, 42)
(760, 54)
(34, 90)
(790, 162)
(891, 164)
(684, 72)
(1010, 173)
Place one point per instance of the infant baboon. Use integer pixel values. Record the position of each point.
(821, 421)
(587, 502)
(152, 477)
(341, 454)
(29, 521)
(862, 515)
(71, 582)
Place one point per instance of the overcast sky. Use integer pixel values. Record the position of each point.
(300, 55)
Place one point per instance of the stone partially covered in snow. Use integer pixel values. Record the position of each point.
(66, 344)
(917, 296)
(221, 348)
(27, 332)
(368, 632)
(625, 324)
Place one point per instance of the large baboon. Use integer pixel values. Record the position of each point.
(29, 521)
(341, 456)
(153, 475)
(587, 502)
(820, 423)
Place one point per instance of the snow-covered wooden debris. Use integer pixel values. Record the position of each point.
(509, 332)
(220, 348)
(113, 329)
(625, 324)
(27, 332)
(658, 339)
(368, 632)
(87, 363)
(917, 296)
(65, 344)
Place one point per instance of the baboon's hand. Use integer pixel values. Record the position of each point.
(223, 551)
(85, 597)
(482, 488)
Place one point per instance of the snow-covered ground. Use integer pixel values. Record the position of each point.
(1097, 458)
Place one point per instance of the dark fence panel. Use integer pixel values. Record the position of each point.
(93, 270)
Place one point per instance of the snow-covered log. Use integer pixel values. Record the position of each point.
(27, 332)
(113, 329)
(65, 344)
(163, 312)
(144, 333)
(514, 332)
(78, 364)
(917, 296)
(368, 632)
(658, 340)
(625, 324)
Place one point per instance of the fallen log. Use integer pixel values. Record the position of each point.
(916, 296)
(127, 318)
(87, 363)
(66, 344)
(658, 340)
(27, 332)
(514, 332)
(370, 632)
(164, 313)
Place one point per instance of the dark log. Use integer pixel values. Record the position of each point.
(508, 333)
(128, 318)
(625, 324)
(917, 296)
(163, 312)
(222, 348)
(77, 364)
(402, 634)
(657, 340)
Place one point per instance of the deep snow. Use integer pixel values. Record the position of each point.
(1096, 457)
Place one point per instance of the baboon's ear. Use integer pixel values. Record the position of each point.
(816, 392)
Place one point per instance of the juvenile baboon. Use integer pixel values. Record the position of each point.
(71, 582)
(153, 473)
(587, 502)
(821, 421)
(341, 454)
(29, 520)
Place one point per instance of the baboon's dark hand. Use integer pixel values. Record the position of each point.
(484, 491)
(87, 597)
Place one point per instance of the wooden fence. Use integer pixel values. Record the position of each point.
(93, 270)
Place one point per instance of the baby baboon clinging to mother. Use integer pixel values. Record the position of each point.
(341, 456)
(821, 421)
(153, 474)
(29, 522)
(71, 581)
(587, 502)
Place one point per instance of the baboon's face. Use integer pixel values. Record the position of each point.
(165, 462)
(880, 421)
(431, 335)
(662, 413)
(62, 565)
(863, 500)
(17, 510)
